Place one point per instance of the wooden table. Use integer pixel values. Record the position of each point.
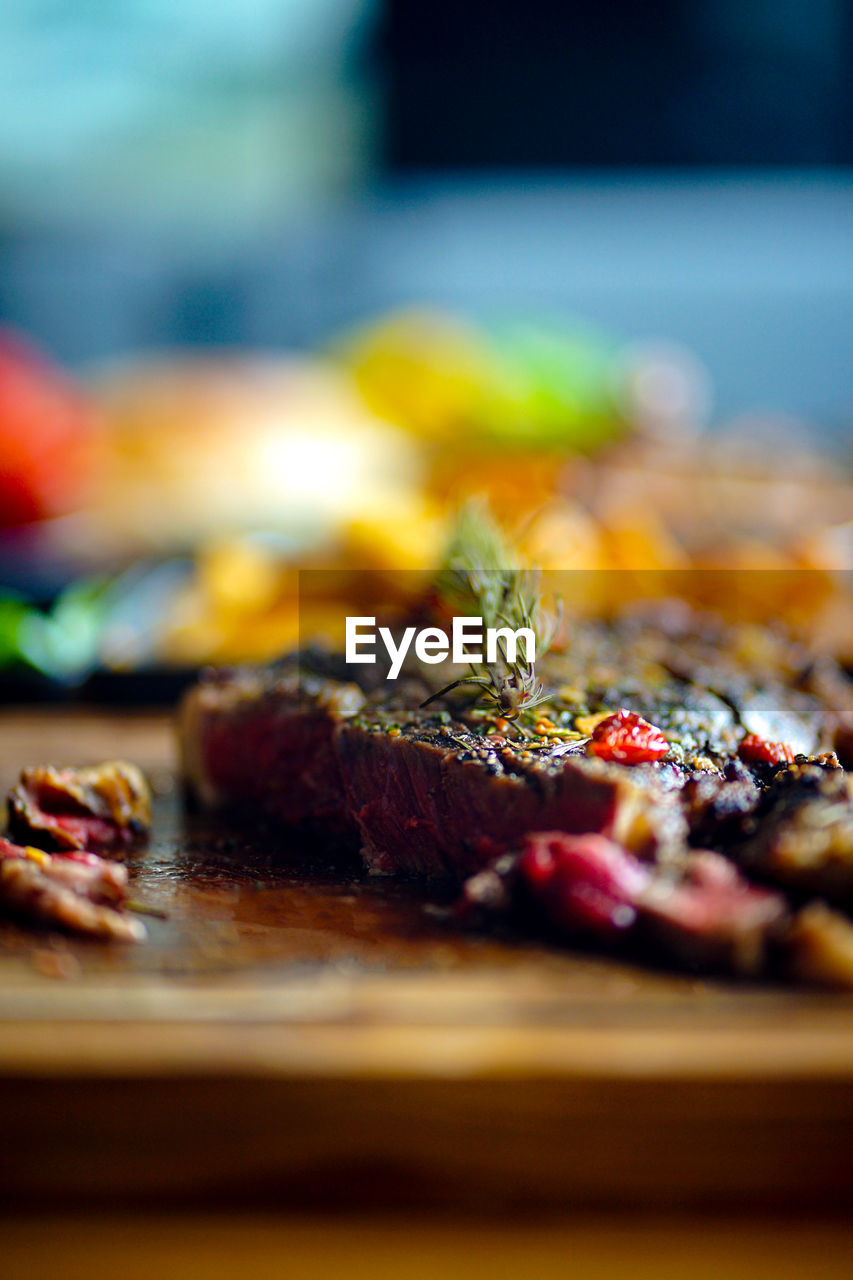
(267, 1247)
(294, 1040)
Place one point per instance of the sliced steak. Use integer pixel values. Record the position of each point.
(703, 914)
(266, 740)
(79, 892)
(800, 835)
(455, 792)
(820, 947)
(440, 792)
(106, 806)
(438, 800)
(419, 792)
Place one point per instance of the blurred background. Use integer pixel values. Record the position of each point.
(283, 280)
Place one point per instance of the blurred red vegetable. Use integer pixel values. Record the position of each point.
(47, 436)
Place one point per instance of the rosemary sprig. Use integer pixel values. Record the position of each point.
(482, 577)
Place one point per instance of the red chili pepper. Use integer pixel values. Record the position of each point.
(755, 750)
(627, 739)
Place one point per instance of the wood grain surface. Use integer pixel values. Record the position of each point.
(296, 1034)
(267, 1247)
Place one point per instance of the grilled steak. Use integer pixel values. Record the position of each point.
(702, 914)
(77, 891)
(440, 791)
(268, 739)
(419, 792)
(445, 792)
(800, 834)
(103, 807)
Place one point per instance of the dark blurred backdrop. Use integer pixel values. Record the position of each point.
(670, 82)
(265, 172)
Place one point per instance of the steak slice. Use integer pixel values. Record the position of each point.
(102, 807)
(800, 835)
(79, 891)
(454, 793)
(437, 800)
(702, 914)
(418, 792)
(353, 758)
(820, 947)
(266, 740)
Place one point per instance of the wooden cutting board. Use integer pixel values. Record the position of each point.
(306, 1036)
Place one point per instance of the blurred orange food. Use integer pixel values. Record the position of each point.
(200, 448)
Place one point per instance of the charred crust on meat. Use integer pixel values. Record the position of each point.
(448, 793)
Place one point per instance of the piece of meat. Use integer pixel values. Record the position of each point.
(800, 835)
(107, 806)
(585, 884)
(710, 919)
(820, 947)
(267, 740)
(702, 915)
(718, 805)
(418, 791)
(78, 892)
(431, 792)
(438, 800)
(703, 683)
(831, 686)
(454, 792)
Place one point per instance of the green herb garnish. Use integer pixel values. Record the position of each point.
(482, 577)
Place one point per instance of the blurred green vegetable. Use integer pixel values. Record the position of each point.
(13, 610)
(62, 642)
